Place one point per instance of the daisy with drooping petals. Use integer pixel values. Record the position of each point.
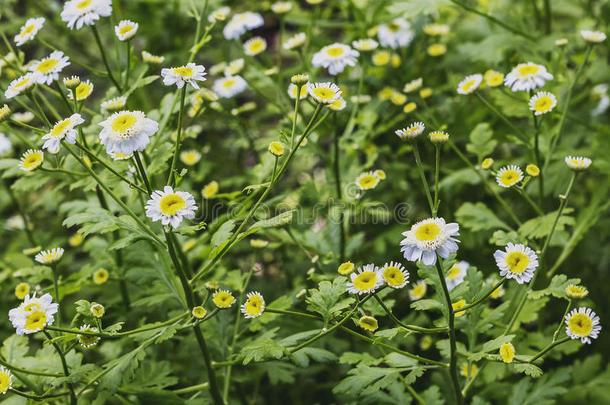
(365, 280)
(395, 275)
(126, 30)
(367, 181)
(411, 132)
(33, 314)
(126, 132)
(397, 34)
(114, 104)
(220, 14)
(576, 291)
(49, 256)
(456, 274)
(470, 84)
(542, 102)
(254, 46)
(517, 261)
(593, 36)
(527, 76)
(87, 341)
(230, 86)
(295, 41)
(21, 84)
(324, 93)
(428, 238)
(31, 160)
(223, 299)
(418, 291)
(578, 163)
(182, 75)
(365, 45)
(6, 380)
(335, 57)
(63, 129)
(582, 323)
(152, 59)
(242, 22)
(47, 70)
(170, 207)
(368, 323)
(292, 91)
(508, 176)
(77, 13)
(254, 305)
(29, 30)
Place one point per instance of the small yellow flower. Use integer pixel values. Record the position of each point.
(459, 305)
(493, 79)
(386, 93)
(367, 181)
(398, 98)
(71, 82)
(381, 58)
(368, 323)
(425, 343)
(300, 79)
(413, 85)
(97, 310)
(346, 268)
(100, 276)
(6, 380)
(409, 107)
(190, 157)
(437, 49)
(254, 305)
(210, 190)
(438, 137)
(576, 291)
(31, 160)
(22, 290)
(88, 341)
(507, 352)
(151, 59)
(425, 93)
(276, 148)
(487, 163)
(199, 312)
(396, 60)
(259, 243)
(82, 91)
(418, 291)
(380, 174)
(212, 285)
(76, 240)
(532, 170)
(223, 299)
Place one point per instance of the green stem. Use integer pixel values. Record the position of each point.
(104, 59)
(527, 198)
(413, 328)
(56, 288)
(40, 110)
(143, 174)
(436, 178)
(516, 131)
(423, 176)
(23, 370)
(538, 160)
(128, 67)
(561, 321)
(64, 365)
(548, 18)
(193, 388)
(487, 294)
(548, 348)
(171, 178)
(37, 397)
(337, 173)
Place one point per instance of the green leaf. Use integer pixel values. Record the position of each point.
(477, 217)
(262, 349)
(413, 8)
(326, 299)
(556, 288)
(528, 369)
(302, 357)
(481, 143)
(541, 226)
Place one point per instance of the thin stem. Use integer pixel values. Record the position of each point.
(56, 288)
(413, 328)
(487, 294)
(40, 110)
(548, 18)
(538, 160)
(548, 348)
(527, 198)
(63, 364)
(143, 174)
(26, 371)
(492, 108)
(128, 67)
(24, 125)
(171, 177)
(37, 397)
(193, 388)
(105, 60)
(337, 174)
(562, 205)
(565, 313)
(63, 96)
(436, 177)
(423, 176)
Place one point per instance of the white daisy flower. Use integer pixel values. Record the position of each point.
(365, 45)
(365, 280)
(49, 256)
(338, 105)
(82, 91)
(578, 162)
(582, 323)
(527, 76)
(428, 238)
(395, 275)
(33, 314)
(5, 144)
(413, 85)
(324, 93)
(63, 129)
(508, 176)
(223, 299)
(21, 84)
(126, 132)
(234, 67)
(295, 41)
(593, 36)
(397, 34)
(31, 160)
(254, 305)
(182, 75)
(77, 13)
(542, 102)
(469, 84)
(418, 291)
(456, 274)
(230, 86)
(293, 89)
(412, 131)
(517, 261)
(6, 380)
(219, 15)
(87, 341)
(126, 30)
(600, 91)
(29, 30)
(367, 181)
(170, 207)
(254, 46)
(152, 59)
(48, 69)
(242, 22)
(114, 104)
(281, 7)
(24, 117)
(335, 57)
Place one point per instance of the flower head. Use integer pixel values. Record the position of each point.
(49, 256)
(5, 112)
(365, 280)
(335, 57)
(230, 86)
(582, 323)
(33, 314)
(242, 22)
(396, 34)
(428, 238)
(507, 352)
(64, 129)
(456, 274)
(254, 305)
(532, 170)
(223, 299)
(6, 380)
(85, 340)
(281, 7)
(114, 104)
(368, 323)
(296, 41)
(436, 29)
(412, 131)
(487, 163)
(71, 82)
(170, 207)
(31, 160)
(395, 275)
(346, 268)
(82, 91)
(593, 36)
(324, 93)
(199, 312)
(190, 157)
(578, 163)
(293, 90)
(21, 84)
(29, 30)
(220, 14)
(152, 59)
(413, 85)
(126, 30)
(188, 74)
(542, 102)
(517, 261)
(367, 181)
(365, 45)
(210, 190)
(527, 76)
(469, 84)
(438, 137)
(493, 78)
(77, 13)
(418, 291)
(437, 50)
(5, 144)
(126, 132)
(97, 310)
(576, 291)
(100, 276)
(508, 176)
(254, 46)
(276, 148)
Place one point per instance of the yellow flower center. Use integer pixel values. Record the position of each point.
(5, 382)
(528, 70)
(227, 84)
(257, 46)
(83, 90)
(32, 160)
(31, 307)
(100, 276)
(346, 268)
(517, 262)
(369, 323)
(27, 30)
(23, 82)
(124, 122)
(580, 324)
(575, 291)
(223, 299)
(381, 58)
(509, 177)
(419, 290)
(365, 281)
(427, 232)
(393, 27)
(47, 65)
(254, 305)
(468, 85)
(393, 276)
(495, 80)
(507, 352)
(171, 204)
(98, 311)
(88, 340)
(497, 293)
(368, 181)
(125, 29)
(83, 4)
(335, 51)
(453, 272)
(324, 93)
(210, 190)
(35, 320)
(199, 312)
(543, 104)
(184, 71)
(60, 127)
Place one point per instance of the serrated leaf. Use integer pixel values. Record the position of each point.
(540, 227)
(262, 349)
(477, 217)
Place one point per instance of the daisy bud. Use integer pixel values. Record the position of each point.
(561, 42)
(151, 59)
(212, 285)
(97, 310)
(100, 276)
(22, 290)
(71, 82)
(425, 93)
(487, 163)
(368, 323)
(5, 113)
(532, 170)
(438, 137)
(210, 190)
(300, 79)
(281, 7)
(409, 107)
(507, 352)
(276, 148)
(126, 30)
(346, 268)
(576, 291)
(199, 312)
(593, 36)
(578, 163)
